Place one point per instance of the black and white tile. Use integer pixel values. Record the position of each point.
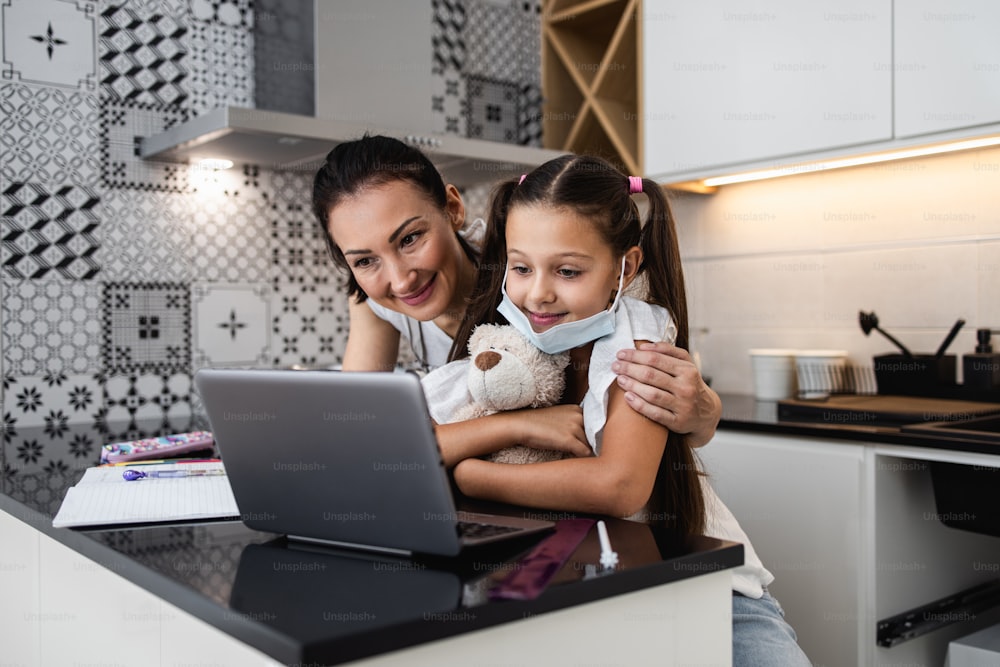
(50, 326)
(146, 327)
(493, 39)
(141, 52)
(50, 42)
(529, 123)
(229, 235)
(231, 325)
(448, 100)
(449, 103)
(48, 231)
(137, 405)
(237, 14)
(308, 325)
(49, 135)
(503, 48)
(145, 235)
(298, 250)
(52, 401)
(447, 38)
(219, 63)
(493, 109)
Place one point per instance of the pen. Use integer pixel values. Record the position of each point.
(609, 558)
(133, 475)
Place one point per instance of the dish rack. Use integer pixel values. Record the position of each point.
(824, 376)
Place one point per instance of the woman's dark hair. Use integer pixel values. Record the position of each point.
(355, 166)
(596, 190)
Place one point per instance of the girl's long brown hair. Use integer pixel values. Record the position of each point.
(596, 190)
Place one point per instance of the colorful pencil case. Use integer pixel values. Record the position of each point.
(163, 447)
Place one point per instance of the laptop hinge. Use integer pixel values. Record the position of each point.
(352, 545)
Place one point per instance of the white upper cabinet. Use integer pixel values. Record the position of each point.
(726, 83)
(947, 65)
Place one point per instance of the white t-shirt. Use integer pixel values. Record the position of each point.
(429, 342)
(446, 390)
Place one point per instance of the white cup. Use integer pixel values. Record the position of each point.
(773, 373)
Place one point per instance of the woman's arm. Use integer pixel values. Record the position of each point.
(372, 343)
(619, 482)
(559, 427)
(662, 383)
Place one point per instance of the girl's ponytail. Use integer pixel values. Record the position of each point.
(678, 476)
(662, 260)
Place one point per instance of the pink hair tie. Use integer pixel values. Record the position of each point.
(634, 185)
(521, 180)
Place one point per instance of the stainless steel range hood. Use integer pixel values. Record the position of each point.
(275, 140)
(372, 61)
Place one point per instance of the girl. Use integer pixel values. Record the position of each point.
(398, 231)
(561, 246)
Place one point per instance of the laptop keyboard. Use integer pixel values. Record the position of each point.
(473, 529)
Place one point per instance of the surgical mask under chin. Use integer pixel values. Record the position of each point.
(568, 335)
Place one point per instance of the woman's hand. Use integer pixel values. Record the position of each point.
(662, 383)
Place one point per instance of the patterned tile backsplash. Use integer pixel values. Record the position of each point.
(121, 277)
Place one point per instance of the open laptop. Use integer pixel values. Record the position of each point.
(348, 459)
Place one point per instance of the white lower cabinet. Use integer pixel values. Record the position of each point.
(802, 503)
(58, 608)
(852, 534)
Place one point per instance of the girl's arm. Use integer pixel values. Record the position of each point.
(372, 343)
(619, 482)
(663, 384)
(559, 427)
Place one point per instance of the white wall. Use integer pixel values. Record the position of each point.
(789, 262)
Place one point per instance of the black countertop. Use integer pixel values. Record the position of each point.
(314, 605)
(741, 412)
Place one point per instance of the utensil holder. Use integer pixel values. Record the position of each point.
(919, 375)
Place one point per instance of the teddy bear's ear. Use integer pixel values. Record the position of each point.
(478, 334)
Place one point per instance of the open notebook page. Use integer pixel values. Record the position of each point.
(103, 497)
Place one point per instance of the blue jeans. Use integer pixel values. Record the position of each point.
(761, 636)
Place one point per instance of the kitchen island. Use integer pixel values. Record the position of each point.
(845, 513)
(218, 593)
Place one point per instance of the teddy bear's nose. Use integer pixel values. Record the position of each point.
(487, 360)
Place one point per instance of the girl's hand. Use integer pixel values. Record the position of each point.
(662, 383)
(559, 428)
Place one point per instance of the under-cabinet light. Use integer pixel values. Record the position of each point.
(214, 164)
(824, 165)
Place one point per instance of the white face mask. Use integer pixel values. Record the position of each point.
(568, 335)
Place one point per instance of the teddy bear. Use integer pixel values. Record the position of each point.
(507, 372)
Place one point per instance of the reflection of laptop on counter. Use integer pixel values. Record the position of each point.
(341, 458)
(319, 596)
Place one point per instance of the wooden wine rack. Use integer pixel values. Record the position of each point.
(591, 79)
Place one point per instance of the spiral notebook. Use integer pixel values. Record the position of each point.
(103, 497)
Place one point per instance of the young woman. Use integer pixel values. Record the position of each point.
(562, 245)
(399, 232)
